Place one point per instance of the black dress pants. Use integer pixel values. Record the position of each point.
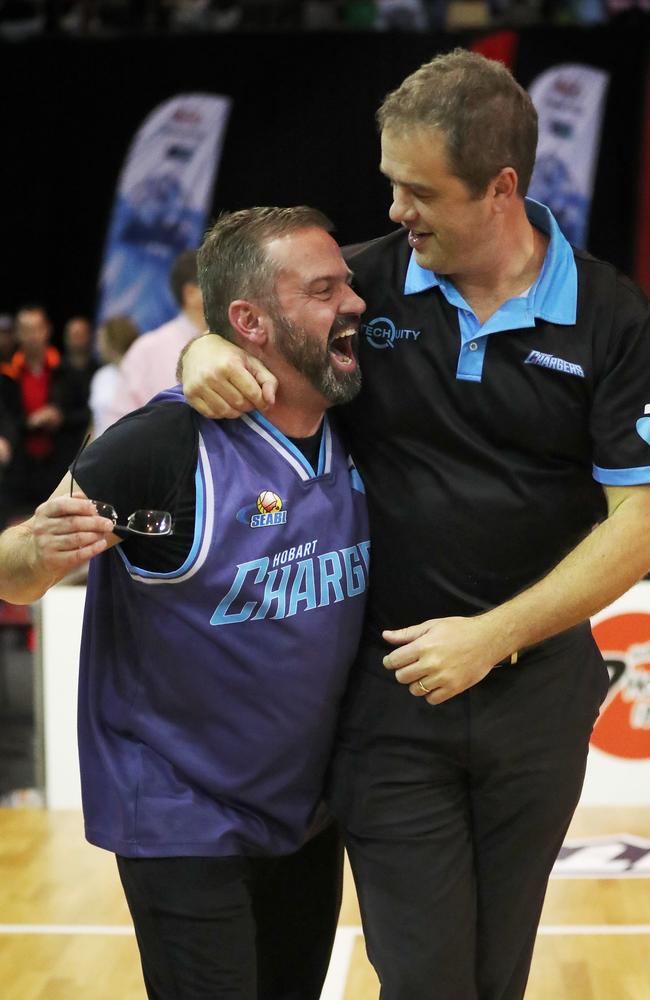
(236, 928)
(454, 815)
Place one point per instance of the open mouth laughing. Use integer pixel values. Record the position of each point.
(341, 348)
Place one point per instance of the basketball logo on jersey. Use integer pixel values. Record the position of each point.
(266, 512)
(268, 502)
(623, 728)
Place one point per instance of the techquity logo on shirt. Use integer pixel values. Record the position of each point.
(266, 512)
(557, 364)
(381, 333)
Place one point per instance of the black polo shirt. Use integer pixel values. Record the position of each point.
(482, 449)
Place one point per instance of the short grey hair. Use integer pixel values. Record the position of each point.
(233, 262)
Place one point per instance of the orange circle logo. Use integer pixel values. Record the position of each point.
(623, 728)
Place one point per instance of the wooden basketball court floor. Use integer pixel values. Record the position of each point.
(65, 931)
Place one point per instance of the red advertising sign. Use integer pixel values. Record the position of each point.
(623, 729)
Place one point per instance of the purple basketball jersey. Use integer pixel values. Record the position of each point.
(209, 696)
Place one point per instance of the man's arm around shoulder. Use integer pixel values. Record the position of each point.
(221, 381)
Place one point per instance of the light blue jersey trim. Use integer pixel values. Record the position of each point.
(622, 477)
(553, 297)
(199, 531)
(325, 453)
(355, 479)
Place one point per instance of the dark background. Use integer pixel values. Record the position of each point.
(301, 130)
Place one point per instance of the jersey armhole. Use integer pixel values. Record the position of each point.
(203, 530)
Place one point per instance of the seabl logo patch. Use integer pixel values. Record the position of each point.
(381, 333)
(266, 512)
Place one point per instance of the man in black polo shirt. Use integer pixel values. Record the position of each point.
(502, 433)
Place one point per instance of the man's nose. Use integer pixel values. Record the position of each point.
(401, 209)
(353, 303)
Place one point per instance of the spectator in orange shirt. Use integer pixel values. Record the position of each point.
(47, 411)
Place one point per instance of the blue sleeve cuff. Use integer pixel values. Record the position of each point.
(622, 477)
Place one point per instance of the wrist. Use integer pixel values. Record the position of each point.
(501, 637)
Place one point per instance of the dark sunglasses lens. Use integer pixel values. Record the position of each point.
(106, 510)
(151, 522)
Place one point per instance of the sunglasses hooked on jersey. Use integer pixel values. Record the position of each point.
(154, 523)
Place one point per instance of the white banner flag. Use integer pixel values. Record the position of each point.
(570, 101)
(164, 195)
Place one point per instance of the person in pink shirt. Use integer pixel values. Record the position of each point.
(150, 363)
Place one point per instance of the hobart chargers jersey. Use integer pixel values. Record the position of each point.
(209, 694)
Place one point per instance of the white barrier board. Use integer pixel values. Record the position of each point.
(618, 771)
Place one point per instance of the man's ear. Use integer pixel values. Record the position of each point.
(248, 321)
(504, 187)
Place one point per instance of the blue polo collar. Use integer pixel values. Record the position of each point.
(554, 295)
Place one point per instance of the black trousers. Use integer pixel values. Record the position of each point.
(236, 928)
(454, 815)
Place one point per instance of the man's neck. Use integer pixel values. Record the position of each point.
(299, 408)
(513, 265)
(294, 421)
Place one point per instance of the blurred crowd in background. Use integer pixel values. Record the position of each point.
(24, 18)
(54, 390)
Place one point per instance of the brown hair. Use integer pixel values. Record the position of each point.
(488, 120)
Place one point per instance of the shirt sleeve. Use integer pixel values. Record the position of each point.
(620, 417)
(147, 461)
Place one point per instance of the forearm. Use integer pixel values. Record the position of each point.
(23, 579)
(442, 657)
(602, 567)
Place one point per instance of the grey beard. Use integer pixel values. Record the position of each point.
(313, 362)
